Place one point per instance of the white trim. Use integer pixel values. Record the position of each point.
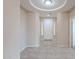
(32, 45)
(28, 46)
(23, 49)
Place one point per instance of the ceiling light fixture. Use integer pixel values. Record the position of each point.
(48, 2)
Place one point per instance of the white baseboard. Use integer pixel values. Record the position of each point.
(28, 46)
(23, 49)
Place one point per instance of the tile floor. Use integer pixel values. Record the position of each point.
(48, 53)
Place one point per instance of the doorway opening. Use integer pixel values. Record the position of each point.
(48, 31)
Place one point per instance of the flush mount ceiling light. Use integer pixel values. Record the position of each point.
(48, 5)
(48, 2)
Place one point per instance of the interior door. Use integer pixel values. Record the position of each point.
(48, 28)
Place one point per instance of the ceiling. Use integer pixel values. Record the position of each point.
(37, 6)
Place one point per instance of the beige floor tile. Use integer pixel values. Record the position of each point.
(48, 50)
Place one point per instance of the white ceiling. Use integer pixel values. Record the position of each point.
(26, 5)
(40, 5)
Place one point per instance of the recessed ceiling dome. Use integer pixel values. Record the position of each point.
(48, 5)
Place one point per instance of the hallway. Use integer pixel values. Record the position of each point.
(23, 29)
(36, 48)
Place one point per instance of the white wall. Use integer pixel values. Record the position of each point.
(62, 29)
(23, 29)
(72, 16)
(37, 29)
(33, 29)
(29, 29)
(41, 28)
(11, 29)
